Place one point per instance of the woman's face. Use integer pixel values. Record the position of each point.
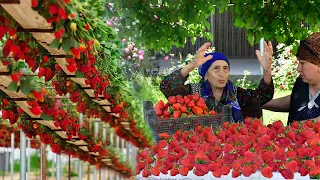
(309, 72)
(218, 74)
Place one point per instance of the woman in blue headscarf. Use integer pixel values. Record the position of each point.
(215, 87)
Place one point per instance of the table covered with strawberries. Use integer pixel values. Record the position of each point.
(238, 150)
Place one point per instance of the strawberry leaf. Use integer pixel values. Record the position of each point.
(44, 116)
(13, 86)
(55, 43)
(79, 74)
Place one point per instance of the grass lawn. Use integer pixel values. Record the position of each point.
(270, 116)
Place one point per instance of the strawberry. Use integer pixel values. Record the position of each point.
(155, 171)
(194, 139)
(211, 138)
(267, 172)
(287, 174)
(166, 113)
(164, 135)
(217, 173)
(144, 154)
(176, 106)
(235, 173)
(307, 134)
(16, 76)
(285, 142)
(34, 3)
(73, 26)
(162, 143)
(292, 154)
(158, 111)
(36, 110)
(164, 170)
(162, 153)
(303, 171)
(160, 105)
(186, 99)
(246, 171)
(172, 99)
(292, 166)
(183, 109)
(179, 99)
(225, 170)
(248, 156)
(146, 173)
(212, 112)
(201, 103)
(191, 104)
(176, 114)
(174, 172)
(72, 67)
(197, 110)
(184, 171)
(269, 156)
(195, 97)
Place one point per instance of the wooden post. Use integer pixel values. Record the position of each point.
(69, 170)
(89, 172)
(12, 155)
(43, 161)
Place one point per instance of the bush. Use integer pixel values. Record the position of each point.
(284, 66)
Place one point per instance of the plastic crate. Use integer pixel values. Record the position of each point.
(170, 126)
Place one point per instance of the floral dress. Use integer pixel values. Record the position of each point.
(250, 101)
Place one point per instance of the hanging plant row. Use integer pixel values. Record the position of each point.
(95, 151)
(90, 52)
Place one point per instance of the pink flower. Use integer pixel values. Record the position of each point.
(135, 49)
(110, 23)
(130, 46)
(141, 52)
(135, 55)
(166, 58)
(124, 40)
(141, 57)
(138, 65)
(127, 50)
(129, 57)
(156, 17)
(116, 19)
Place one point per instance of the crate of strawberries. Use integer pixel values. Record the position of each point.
(183, 113)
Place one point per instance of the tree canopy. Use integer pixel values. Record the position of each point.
(160, 24)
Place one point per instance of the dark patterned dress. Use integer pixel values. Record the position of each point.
(302, 105)
(250, 101)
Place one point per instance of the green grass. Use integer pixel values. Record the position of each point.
(270, 116)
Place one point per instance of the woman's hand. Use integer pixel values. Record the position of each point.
(266, 59)
(199, 58)
(197, 61)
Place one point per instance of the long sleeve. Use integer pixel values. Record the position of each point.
(251, 101)
(173, 85)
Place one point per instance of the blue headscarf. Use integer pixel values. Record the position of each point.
(206, 87)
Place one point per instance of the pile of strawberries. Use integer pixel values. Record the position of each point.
(181, 107)
(239, 148)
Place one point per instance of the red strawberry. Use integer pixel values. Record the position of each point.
(235, 173)
(179, 99)
(176, 114)
(287, 174)
(201, 103)
(184, 171)
(248, 156)
(285, 142)
(159, 105)
(158, 111)
(174, 172)
(307, 134)
(217, 173)
(196, 97)
(194, 139)
(146, 173)
(197, 110)
(155, 171)
(172, 99)
(164, 135)
(164, 170)
(186, 99)
(34, 3)
(267, 172)
(212, 112)
(225, 170)
(269, 156)
(292, 166)
(36, 110)
(72, 67)
(303, 171)
(176, 106)
(211, 138)
(183, 109)
(246, 171)
(191, 104)
(16, 76)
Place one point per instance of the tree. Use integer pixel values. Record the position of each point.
(160, 24)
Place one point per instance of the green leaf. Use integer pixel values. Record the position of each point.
(79, 74)
(67, 44)
(295, 48)
(13, 86)
(55, 43)
(25, 86)
(44, 116)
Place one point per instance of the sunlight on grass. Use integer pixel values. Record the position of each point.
(270, 116)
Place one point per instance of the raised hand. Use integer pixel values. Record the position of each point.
(199, 58)
(266, 59)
